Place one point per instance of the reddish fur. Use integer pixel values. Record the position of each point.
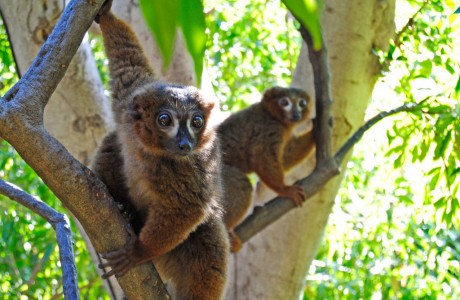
(255, 140)
(176, 198)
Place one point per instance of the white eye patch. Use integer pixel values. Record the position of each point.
(171, 131)
(189, 126)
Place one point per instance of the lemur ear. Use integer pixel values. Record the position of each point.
(273, 93)
(209, 104)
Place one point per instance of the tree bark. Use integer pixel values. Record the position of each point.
(274, 264)
(78, 113)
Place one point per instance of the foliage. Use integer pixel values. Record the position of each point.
(163, 18)
(102, 63)
(382, 241)
(8, 75)
(29, 260)
(307, 12)
(394, 229)
(423, 68)
(252, 45)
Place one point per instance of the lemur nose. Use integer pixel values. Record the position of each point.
(185, 145)
(295, 117)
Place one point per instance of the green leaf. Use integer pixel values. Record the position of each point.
(442, 146)
(425, 69)
(457, 87)
(306, 11)
(193, 26)
(162, 17)
(436, 172)
(441, 202)
(440, 109)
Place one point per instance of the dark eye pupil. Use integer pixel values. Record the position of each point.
(164, 120)
(303, 103)
(283, 102)
(198, 122)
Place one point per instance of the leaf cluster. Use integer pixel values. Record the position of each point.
(382, 241)
(8, 75)
(252, 45)
(424, 69)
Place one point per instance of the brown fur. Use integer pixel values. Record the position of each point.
(260, 139)
(176, 193)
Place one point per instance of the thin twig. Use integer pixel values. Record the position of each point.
(61, 225)
(398, 40)
(359, 133)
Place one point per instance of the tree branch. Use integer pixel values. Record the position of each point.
(53, 59)
(321, 75)
(80, 191)
(360, 132)
(60, 224)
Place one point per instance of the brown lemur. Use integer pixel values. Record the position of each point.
(260, 139)
(170, 171)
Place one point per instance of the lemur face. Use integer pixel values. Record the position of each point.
(288, 105)
(171, 119)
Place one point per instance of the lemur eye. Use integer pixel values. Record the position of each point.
(197, 121)
(164, 120)
(283, 102)
(303, 103)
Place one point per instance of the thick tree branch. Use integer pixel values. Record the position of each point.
(21, 124)
(60, 224)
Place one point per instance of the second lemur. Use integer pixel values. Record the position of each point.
(170, 160)
(260, 139)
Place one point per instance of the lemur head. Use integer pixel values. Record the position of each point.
(171, 119)
(288, 105)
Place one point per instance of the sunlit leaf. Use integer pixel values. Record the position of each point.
(307, 12)
(436, 172)
(457, 87)
(425, 69)
(441, 202)
(193, 26)
(442, 146)
(162, 18)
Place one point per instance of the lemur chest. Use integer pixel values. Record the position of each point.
(172, 183)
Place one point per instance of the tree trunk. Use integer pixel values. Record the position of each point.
(78, 113)
(274, 264)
